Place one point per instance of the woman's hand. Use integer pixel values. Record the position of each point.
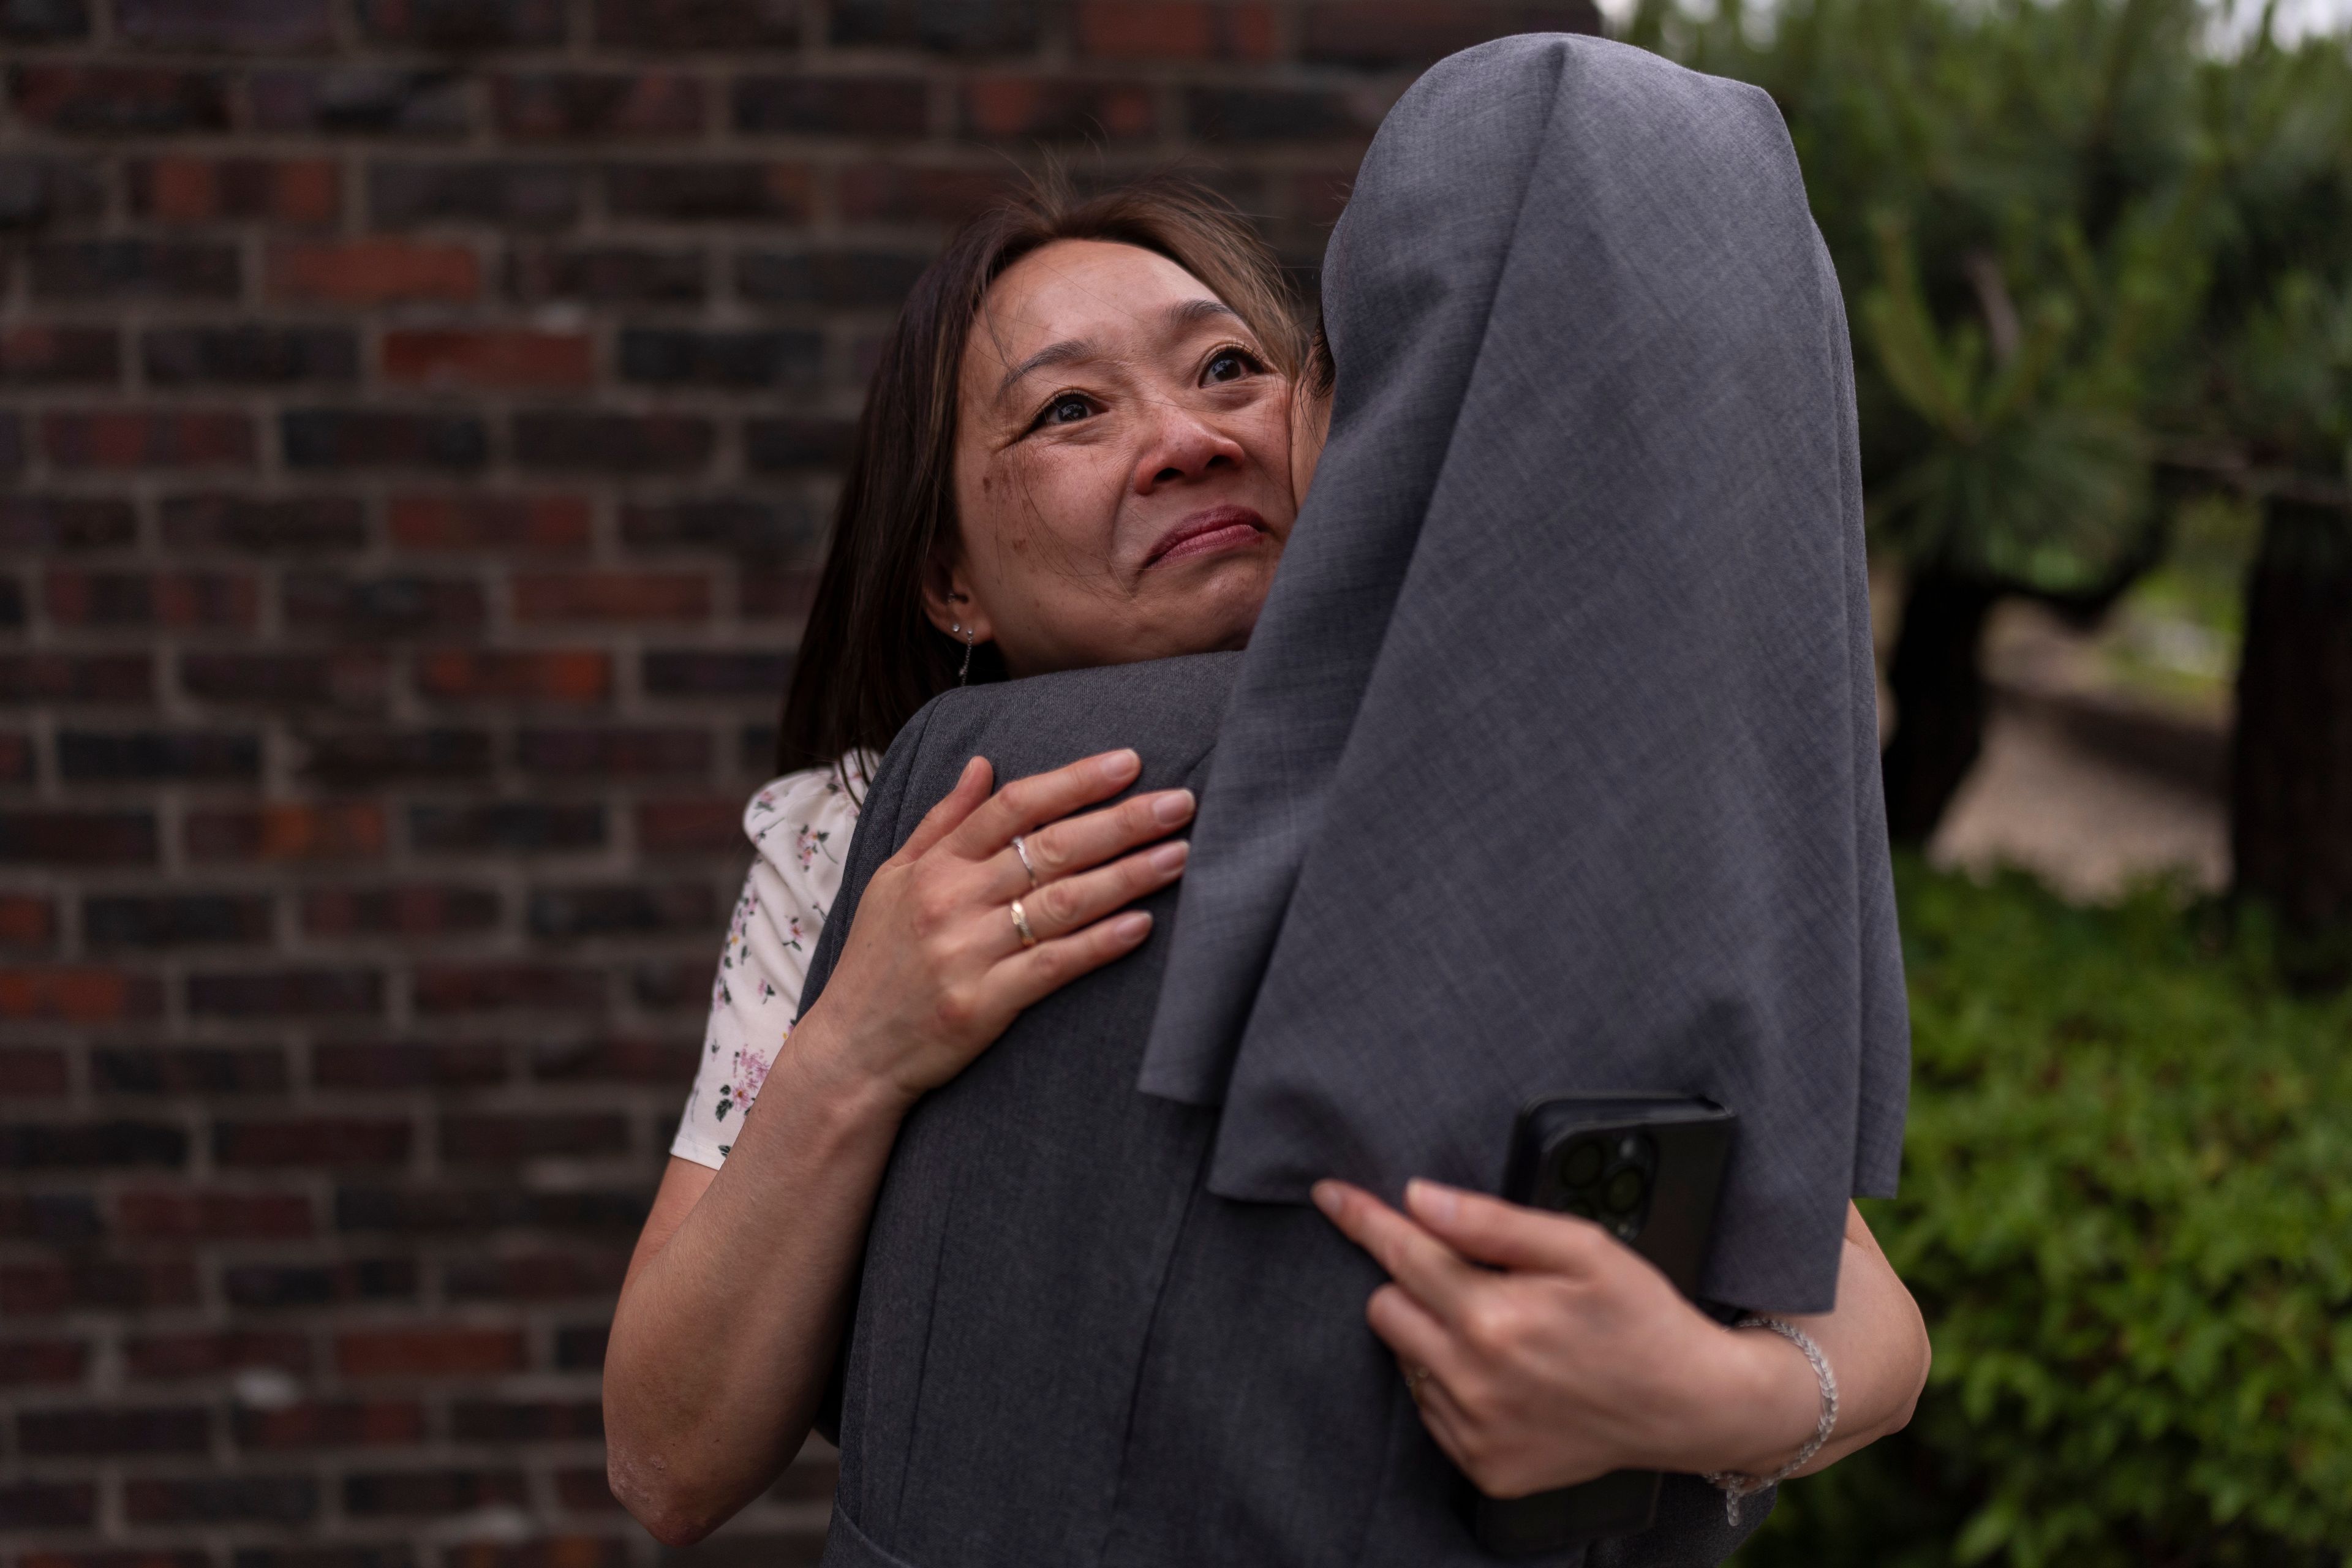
(934, 968)
(1572, 1356)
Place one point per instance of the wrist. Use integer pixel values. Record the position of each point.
(830, 1071)
(1767, 1403)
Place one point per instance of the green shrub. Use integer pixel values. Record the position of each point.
(2126, 1212)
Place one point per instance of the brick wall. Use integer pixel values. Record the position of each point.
(414, 429)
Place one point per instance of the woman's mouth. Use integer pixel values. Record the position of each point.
(1206, 532)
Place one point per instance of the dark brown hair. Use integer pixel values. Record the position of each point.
(870, 657)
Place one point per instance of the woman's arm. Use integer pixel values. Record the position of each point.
(731, 1313)
(1555, 1354)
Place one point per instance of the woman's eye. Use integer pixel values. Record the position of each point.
(1066, 410)
(1229, 364)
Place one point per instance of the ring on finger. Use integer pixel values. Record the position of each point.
(1021, 924)
(1022, 850)
(1414, 1377)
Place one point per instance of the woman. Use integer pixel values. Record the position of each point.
(1082, 448)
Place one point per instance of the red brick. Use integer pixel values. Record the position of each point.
(463, 23)
(46, 1289)
(440, 1351)
(536, 1277)
(512, 357)
(79, 994)
(377, 608)
(443, 988)
(294, 192)
(375, 271)
(555, 1552)
(585, 441)
(33, 1072)
(418, 1493)
(411, 911)
(29, 923)
(267, 26)
(286, 993)
(264, 525)
(420, 1064)
(634, 753)
(321, 1141)
(155, 1429)
(472, 520)
(48, 1505)
(622, 596)
(563, 106)
(583, 1490)
(178, 1213)
(119, 100)
(80, 678)
(654, 1059)
(39, 523)
(340, 1424)
(347, 831)
(165, 1357)
(45, 355)
(884, 193)
(171, 599)
(127, 1558)
(690, 826)
(574, 677)
(24, 1362)
(1176, 31)
(350, 680)
(697, 24)
(1389, 33)
(220, 1499)
(148, 439)
(711, 192)
(1033, 108)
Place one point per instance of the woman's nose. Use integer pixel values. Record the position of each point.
(1184, 448)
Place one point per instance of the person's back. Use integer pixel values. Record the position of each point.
(1066, 1349)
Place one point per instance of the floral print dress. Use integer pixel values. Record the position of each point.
(801, 826)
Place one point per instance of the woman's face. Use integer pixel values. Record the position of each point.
(1123, 465)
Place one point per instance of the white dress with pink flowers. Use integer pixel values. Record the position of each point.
(800, 825)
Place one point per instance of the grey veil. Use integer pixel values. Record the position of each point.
(1552, 765)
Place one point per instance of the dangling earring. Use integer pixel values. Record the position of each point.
(963, 676)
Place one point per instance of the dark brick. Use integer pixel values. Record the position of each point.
(315, 1140)
(876, 279)
(1030, 109)
(268, 525)
(338, 1423)
(389, 1554)
(411, 911)
(782, 444)
(179, 1213)
(408, 1064)
(1161, 30)
(699, 672)
(221, 1499)
(125, 438)
(40, 524)
(510, 195)
(613, 443)
(675, 356)
(175, 920)
(79, 994)
(556, 1552)
(348, 679)
(27, 1362)
(249, 356)
(463, 23)
(44, 1290)
(537, 1277)
(127, 1558)
(41, 355)
(467, 1211)
(149, 1429)
(349, 830)
(1392, 32)
(584, 1490)
(34, 1072)
(580, 1347)
(36, 191)
(286, 993)
(304, 192)
(416, 1493)
(832, 105)
(17, 763)
(29, 923)
(111, 100)
(155, 756)
(128, 599)
(56, 1219)
(622, 909)
(134, 268)
(736, 525)
(436, 1351)
(564, 106)
(606, 274)
(208, 1353)
(489, 357)
(369, 758)
(377, 270)
(756, 748)
(77, 838)
(380, 437)
(671, 985)
(381, 607)
(47, 1505)
(502, 827)
(274, 1287)
(252, 27)
(512, 1140)
(1280, 114)
(949, 27)
(898, 192)
(709, 192)
(476, 520)
(697, 24)
(690, 826)
(190, 1070)
(108, 678)
(654, 1059)
(44, 21)
(364, 101)
(443, 988)
(92, 1146)
(633, 752)
(571, 678)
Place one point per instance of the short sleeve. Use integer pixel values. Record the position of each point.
(801, 826)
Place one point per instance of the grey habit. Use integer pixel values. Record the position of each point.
(1553, 764)
(1583, 563)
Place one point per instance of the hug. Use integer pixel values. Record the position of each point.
(1230, 776)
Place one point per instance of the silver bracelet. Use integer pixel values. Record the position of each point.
(1738, 1487)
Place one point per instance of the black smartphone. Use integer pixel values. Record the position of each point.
(1649, 1168)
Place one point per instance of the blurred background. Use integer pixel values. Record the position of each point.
(417, 428)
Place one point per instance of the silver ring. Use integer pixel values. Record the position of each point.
(1023, 850)
(1021, 924)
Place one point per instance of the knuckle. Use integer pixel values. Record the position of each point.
(957, 1009)
(1491, 1324)
(1050, 849)
(1059, 903)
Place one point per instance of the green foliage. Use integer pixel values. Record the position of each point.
(2126, 1214)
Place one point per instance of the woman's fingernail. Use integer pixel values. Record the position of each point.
(1432, 1200)
(1327, 1198)
(1119, 765)
(1131, 927)
(1169, 858)
(1172, 808)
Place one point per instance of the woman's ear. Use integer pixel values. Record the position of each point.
(948, 600)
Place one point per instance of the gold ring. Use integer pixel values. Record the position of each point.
(1023, 850)
(1021, 924)
(1414, 1377)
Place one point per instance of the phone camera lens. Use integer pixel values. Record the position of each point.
(1624, 1191)
(1582, 1208)
(1580, 1166)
